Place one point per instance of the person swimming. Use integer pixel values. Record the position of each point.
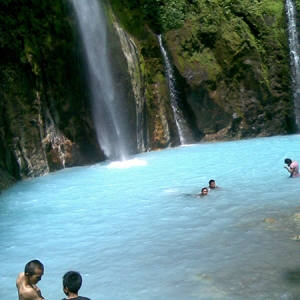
(212, 184)
(204, 192)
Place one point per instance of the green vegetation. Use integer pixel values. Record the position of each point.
(232, 49)
(172, 14)
(158, 14)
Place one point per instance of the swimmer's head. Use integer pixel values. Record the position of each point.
(212, 184)
(204, 191)
(287, 161)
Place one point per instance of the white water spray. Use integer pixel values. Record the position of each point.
(107, 106)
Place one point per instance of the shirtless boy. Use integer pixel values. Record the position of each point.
(27, 280)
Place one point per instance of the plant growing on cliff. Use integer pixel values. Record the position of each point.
(165, 15)
(160, 15)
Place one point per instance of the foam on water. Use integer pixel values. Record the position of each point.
(127, 164)
(134, 234)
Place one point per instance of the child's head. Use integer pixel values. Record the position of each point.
(212, 183)
(72, 282)
(204, 191)
(288, 161)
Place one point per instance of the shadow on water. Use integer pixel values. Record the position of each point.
(293, 276)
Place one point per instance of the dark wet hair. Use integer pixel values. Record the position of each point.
(32, 266)
(288, 161)
(204, 189)
(72, 280)
(211, 181)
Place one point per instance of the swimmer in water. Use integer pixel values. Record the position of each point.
(204, 192)
(212, 184)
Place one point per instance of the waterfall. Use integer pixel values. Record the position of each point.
(294, 56)
(108, 103)
(134, 67)
(184, 132)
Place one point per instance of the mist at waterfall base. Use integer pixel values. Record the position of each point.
(132, 231)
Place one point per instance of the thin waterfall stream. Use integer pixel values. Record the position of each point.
(109, 111)
(294, 56)
(184, 132)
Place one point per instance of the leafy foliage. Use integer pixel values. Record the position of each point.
(161, 15)
(34, 21)
(165, 15)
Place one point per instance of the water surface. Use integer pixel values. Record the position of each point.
(132, 232)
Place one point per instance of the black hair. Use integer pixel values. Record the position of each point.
(288, 161)
(32, 266)
(72, 280)
(211, 181)
(204, 189)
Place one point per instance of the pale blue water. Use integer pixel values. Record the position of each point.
(133, 234)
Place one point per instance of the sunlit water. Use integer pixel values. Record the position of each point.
(132, 232)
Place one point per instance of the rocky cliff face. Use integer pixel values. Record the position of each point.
(231, 58)
(45, 119)
(231, 61)
(236, 69)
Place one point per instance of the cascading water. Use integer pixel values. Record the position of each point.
(294, 56)
(134, 67)
(184, 132)
(109, 111)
